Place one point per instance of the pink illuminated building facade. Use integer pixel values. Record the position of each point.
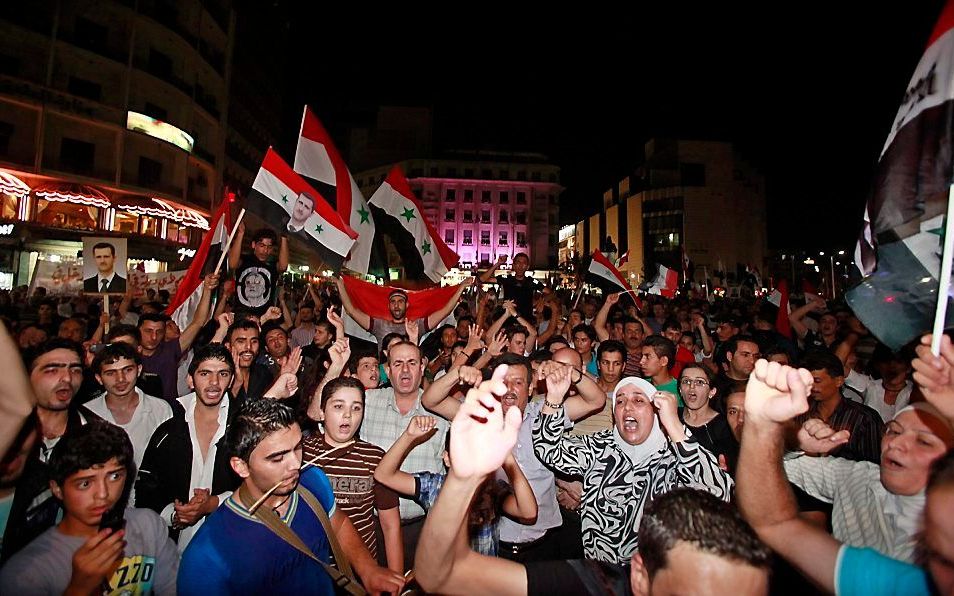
(486, 204)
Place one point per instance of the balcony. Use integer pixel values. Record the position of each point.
(164, 75)
(94, 46)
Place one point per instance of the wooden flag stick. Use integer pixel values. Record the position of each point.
(228, 245)
(108, 314)
(944, 280)
(304, 466)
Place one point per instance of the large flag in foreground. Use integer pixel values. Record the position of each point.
(283, 198)
(183, 305)
(900, 246)
(373, 299)
(318, 159)
(402, 219)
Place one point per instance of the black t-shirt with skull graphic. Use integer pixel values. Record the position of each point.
(255, 284)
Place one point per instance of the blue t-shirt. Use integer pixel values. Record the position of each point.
(866, 572)
(234, 553)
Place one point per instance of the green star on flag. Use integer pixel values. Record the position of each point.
(319, 229)
(425, 248)
(285, 199)
(408, 214)
(364, 213)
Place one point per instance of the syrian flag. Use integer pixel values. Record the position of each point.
(602, 273)
(399, 215)
(183, 305)
(779, 297)
(283, 198)
(373, 299)
(622, 260)
(900, 245)
(318, 159)
(666, 282)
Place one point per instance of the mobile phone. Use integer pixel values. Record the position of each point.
(95, 348)
(114, 519)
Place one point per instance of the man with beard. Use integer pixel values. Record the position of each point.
(397, 305)
(522, 542)
(56, 372)
(117, 368)
(251, 379)
(387, 413)
(185, 472)
(237, 553)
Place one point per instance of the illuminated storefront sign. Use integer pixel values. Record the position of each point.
(161, 130)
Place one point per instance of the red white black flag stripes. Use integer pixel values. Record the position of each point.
(403, 220)
(373, 299)
(666, 282)
(604, 274)
(183, 305)
(899, 248)
(283, 198)
(318, 159)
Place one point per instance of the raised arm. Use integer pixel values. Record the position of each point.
(435, 318)
(360, 317)
(599, 322)
(287, 322)
(338, 352)
(556, 311)
(797, 316)
(235, 251)
(488, 275)
(774, 395)
(437, 397)
(282, 265)
(521, 505)
(510, 310)
(16, 392)
(187, 336)
(389, 471)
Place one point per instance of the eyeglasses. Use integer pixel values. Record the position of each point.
(694, 383)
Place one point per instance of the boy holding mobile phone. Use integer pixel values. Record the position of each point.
(91, 471)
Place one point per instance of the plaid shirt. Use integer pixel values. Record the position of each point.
(484, 538)
(384, 423)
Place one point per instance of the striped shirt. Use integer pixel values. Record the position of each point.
(384, 423)
(864, 514)
(862, 422)
(632, 367)
(351, 473)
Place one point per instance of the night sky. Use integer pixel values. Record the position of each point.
(806, 96)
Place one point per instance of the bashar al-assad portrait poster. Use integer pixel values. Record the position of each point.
(104, 265)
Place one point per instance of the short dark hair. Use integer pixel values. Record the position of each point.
(556, 339)
(464, 318)
(272, 326)
(265, 234)
(823, 360)
(519, 255)
(54, 343)
(211, 351)
(238, 325)
(663, 347)
(332, 387)
(511, 359)
(541, 355)
(705, 522)
(512, 330)
(386, 340)
(359, 354)
(257, 419)
(328, 327)
(90, 445)
(405, 343)
(671, 323)
(610, 345)
(99, 245)
(114, 352)
(152, 317)
(589, 330)
(123, 330)
(732, 344)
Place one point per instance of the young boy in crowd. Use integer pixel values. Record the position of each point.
(516, 500)
(349, 464)
(91, 472)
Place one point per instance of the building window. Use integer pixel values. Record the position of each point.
(485, 196)
(468, 237)
(450, 194)
(71, 216)
(522, 239)
(448, 236)
(468, 196)
(451, 172)
(485, 216)
(8, 206)
(504, 216)
(434, 172)
(449, 215)
(504, 197)
(77, 156)
(520, 218)
(125, 223)
(502, 241)
(505, 174)
(469, 216)
(468, 172)
(521, 198)
(521, 175)
(150, 172)
(485, 257)
(84, 88)
(159, 63)
(693, 174)
(150, 225)
(535, 176)
(485, 237)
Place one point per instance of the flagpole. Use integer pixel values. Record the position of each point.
(940, 315)
(228, 245)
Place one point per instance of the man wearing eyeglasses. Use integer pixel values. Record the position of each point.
(256, 276)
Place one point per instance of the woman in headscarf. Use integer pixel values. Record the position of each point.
(646, 454)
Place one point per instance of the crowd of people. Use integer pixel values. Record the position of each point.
(518, 439)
